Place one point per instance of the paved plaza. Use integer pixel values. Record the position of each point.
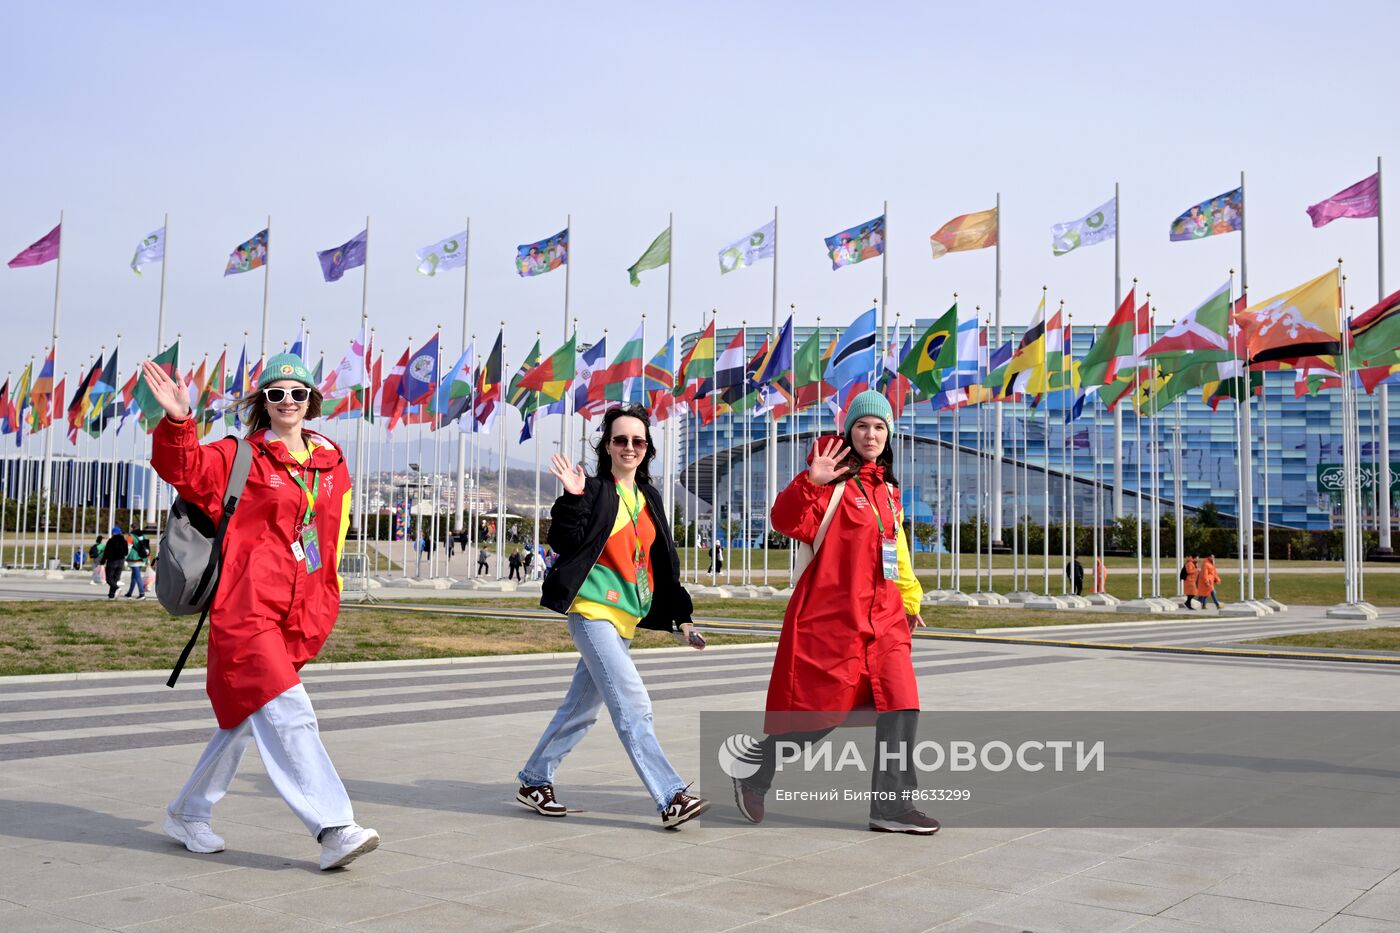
(428, 752)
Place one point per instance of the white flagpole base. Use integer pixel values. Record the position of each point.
(957, 598)
(1274, 604)
(1103, 599)
(1075, 602)
(742, 591)
(1020, 596)
(1356, 611)
(989, 599)
(1045, 602)
(718, 592)
(1248, 607)
(1139, 606)
(1168, 605)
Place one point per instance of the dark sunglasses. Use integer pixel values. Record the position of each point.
(638, 442)
(275, 395)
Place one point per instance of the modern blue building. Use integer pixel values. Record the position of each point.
(1303, 438)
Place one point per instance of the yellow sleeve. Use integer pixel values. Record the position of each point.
(340, 538)
(909, 586)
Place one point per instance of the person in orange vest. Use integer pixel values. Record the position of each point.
(1189, 574)
(1206, 581)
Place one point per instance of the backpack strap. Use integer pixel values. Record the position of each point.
(837, 492)
(237, 480)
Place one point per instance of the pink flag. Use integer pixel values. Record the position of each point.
(1362, 199)
(39, 252)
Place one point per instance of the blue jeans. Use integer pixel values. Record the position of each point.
(605, 674)
(138, 579)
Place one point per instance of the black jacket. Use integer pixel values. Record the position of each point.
(115, 551)
(578, 531)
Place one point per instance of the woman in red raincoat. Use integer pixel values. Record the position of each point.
(277, 600)
(845, 643)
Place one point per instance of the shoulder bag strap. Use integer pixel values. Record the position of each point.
(237, 480)
(836, 492)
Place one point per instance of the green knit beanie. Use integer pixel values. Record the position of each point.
(869, 403)
(287, 366)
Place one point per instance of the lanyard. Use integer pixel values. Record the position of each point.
(634, 517)
(310, 492)
(880, 522)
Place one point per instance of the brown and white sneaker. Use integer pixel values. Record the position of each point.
(540, 798)
(682, 808)
(910, 821)
(749, 801)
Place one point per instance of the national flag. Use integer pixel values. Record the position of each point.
(77, 408)
(857, 244)
(7, 410)
(211, 393)
(453, 398)
(744, 395)
(963, 361)
(622, 381)
(1100, 363)
(237, 386)
(149, 250)
(1303, 321)
(729, 366)
(104, 387)
(921, 364)
(808, 364)
(697, 364)
(450, 253)
(1223, 213)
(21, 400)
(657, 255)
(349, 374)
(553, 377)
(299, 347)
(43, 383)
(521, 398)
(1202, 335)
(42, 250)
(745, 251)
(1029, 358)
(1094, 227)
(248, 255)
(588, 387)
(544, 256)
(966, 231)
(487, 397)
(895, 385)
(420, 378)
(659, 381)
(1377, 330)
(853, 363)
(391, 401)
(1362, 199)
(45, 415)
(779, 359)
(338, 260)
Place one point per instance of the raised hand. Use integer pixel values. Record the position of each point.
(826, 463)
(571, 476)
(171, 397)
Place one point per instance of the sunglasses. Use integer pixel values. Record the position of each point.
(638, 442)
(276, 395)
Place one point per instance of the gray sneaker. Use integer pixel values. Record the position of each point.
(341, 845)
(195, 835)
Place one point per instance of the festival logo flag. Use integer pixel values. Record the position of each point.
(920, 364)
(486, 403)
(338, 260)
(450, 253)
(588, 386)
(420, 378)
(248, 255)
(657, 255)
(966, 231)
(42, 250)
(1376, 332)
(1094, 227)
(545, 256)
(1223, 213)
(853, 363)
(748, 250)
(1303, 321)
(857, 244)
(552, 377)
(149, 250)
(1362, 199)
(454, 395)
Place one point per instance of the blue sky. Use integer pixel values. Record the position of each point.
(422, 116)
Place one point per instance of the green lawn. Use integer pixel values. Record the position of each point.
(1366, 639)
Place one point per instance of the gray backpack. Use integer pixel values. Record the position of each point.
(191, 549)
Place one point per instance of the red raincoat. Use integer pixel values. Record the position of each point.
(845, 643)
(269, 615)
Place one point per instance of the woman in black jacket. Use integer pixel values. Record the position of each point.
(617, 570)
(113, 560)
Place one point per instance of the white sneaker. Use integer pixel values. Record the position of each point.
(194, 834)
(341, 845)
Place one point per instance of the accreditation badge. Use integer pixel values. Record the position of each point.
(643, 584)
(311, 544)
(889, 559)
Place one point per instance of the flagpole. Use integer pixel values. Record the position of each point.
(267, 274)
(459, 510)
(1117, 411)
(977, 485)
(668, 468)
(1015, 515)
(995, 529)
(1137, 447)
(938, 494)
(770, 456)
(568, 267)
(1066, 458)
(501, 459)
(1383, 507)
(1246, 428)
(885, 278)
(362, 494)
(48, 435)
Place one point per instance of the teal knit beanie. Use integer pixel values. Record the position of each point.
(869, 403)
(287, 366)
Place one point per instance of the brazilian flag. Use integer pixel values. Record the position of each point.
(921, 365)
